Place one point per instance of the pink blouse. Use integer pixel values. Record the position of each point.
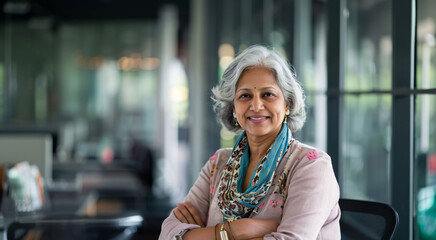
(303, 197)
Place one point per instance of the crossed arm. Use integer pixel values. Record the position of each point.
(245, 228)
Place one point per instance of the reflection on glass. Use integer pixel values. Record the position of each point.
(103, 73)
(315, 80)
(366, 147)
(315, 130)
(27, 73)
(368, 51)
(425, 119)
(425, 59)
(425, 166)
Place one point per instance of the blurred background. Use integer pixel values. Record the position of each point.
(117, 95)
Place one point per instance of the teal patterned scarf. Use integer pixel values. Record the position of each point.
(236, 204)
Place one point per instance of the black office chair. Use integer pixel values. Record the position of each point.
(367, 220)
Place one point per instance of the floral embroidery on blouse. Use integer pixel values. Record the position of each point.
(274, 203)
(312, 155)
(212, 188)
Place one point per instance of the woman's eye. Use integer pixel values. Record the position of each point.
(268, 94)
(242, 96)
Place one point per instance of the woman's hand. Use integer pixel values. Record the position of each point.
(186, 213)
(251, 228)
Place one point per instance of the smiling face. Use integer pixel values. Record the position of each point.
(259, 103)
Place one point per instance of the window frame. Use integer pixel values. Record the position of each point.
(403, 103)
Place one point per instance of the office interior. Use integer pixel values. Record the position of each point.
(110, 100)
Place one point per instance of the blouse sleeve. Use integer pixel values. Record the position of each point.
(312, 193)
(198, 196)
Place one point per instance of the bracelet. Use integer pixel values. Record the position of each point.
(223, 233)
(231, 232)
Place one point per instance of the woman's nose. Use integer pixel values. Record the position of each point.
(256, 104)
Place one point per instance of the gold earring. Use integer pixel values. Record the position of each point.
(286, 116)
(236, 120)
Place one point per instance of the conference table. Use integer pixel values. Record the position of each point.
(86, 200)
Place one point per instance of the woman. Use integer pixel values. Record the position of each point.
(269, 185)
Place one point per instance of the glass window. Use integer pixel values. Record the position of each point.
(104, 72)
(425, 166)
(364, 170)
(368, 50)
(108, 72)
(366, 147)
(28, 72)
(425, 48)
(314, 74)
(425, 122)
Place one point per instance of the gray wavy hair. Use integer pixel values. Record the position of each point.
(259, 56)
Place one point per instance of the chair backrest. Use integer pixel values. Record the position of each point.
(367, 220)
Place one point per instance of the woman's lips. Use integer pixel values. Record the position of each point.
(257, 119)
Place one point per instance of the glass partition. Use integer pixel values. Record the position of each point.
(28, 72)
(365, 166)
(313, 75)
(425, 46)
(101, 73)
(425, 122)
(368, 50)
(366, 147)
(425, 166)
